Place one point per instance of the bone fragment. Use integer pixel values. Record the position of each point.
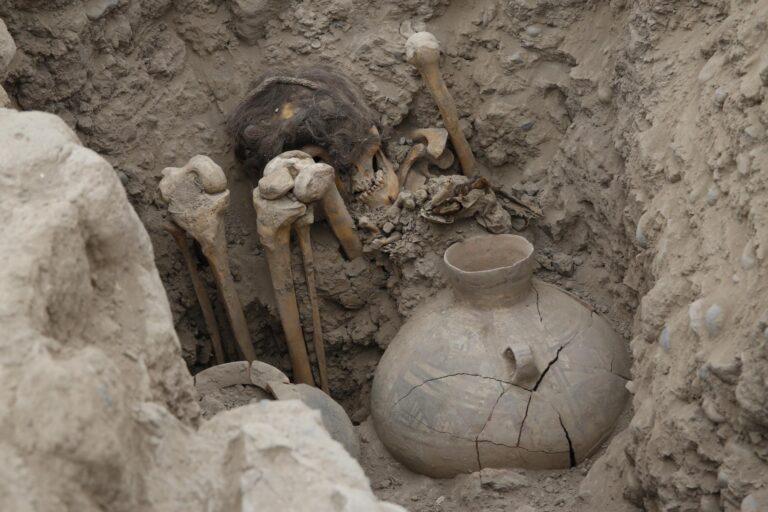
(406, 200)
(444, 161)
(381, 242)
(197, 197)
(302, 228)
(274, 220)
(423, 51)
(276, 184)
(180, 237)
(365, 223)
(416, 152)
(436, 139)
(341, 222)
(313, 182)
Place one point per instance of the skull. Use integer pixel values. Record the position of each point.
(374, 180)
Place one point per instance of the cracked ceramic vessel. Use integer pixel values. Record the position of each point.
(499, 370)
(268, 383)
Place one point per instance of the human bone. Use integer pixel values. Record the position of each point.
(423, 51)
(416, 152)
(274, 220)
(197, 198)
(310, 183)
(502, 370)
(456, 197)
(290, 110)
(375, 180)
(436, 139)
(276, 184)
(302, 229)
(313, 182)
(180, 237)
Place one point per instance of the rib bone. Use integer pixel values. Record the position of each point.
(423, 51)
(197, 197)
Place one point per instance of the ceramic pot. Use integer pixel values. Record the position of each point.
(498, 370)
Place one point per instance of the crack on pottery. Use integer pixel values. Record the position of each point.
(458, 374)
(571, 453)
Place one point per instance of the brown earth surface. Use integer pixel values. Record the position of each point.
(639, 128)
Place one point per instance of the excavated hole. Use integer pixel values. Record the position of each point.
(354, 333)
(638, 127)
(360, 317)
(364, 302)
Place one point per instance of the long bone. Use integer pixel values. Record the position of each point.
(286, 195)
(197, 197)
(341, 222)
(180, 237)
(313, 182)
(302, 228)
(336, 212)
(423, 51)
(274, 220)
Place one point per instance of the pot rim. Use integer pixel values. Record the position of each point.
(524, 244)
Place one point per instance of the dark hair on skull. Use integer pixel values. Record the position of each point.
(290, 109)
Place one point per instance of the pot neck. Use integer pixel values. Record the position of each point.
(490, 270)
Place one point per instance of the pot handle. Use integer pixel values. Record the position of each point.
(524, 371)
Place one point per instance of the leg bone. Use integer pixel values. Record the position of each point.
(341, 222)
(423, 51)
(202, 297)
(217, 256)
(274, 220)
(197, 198)
(302, 229)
